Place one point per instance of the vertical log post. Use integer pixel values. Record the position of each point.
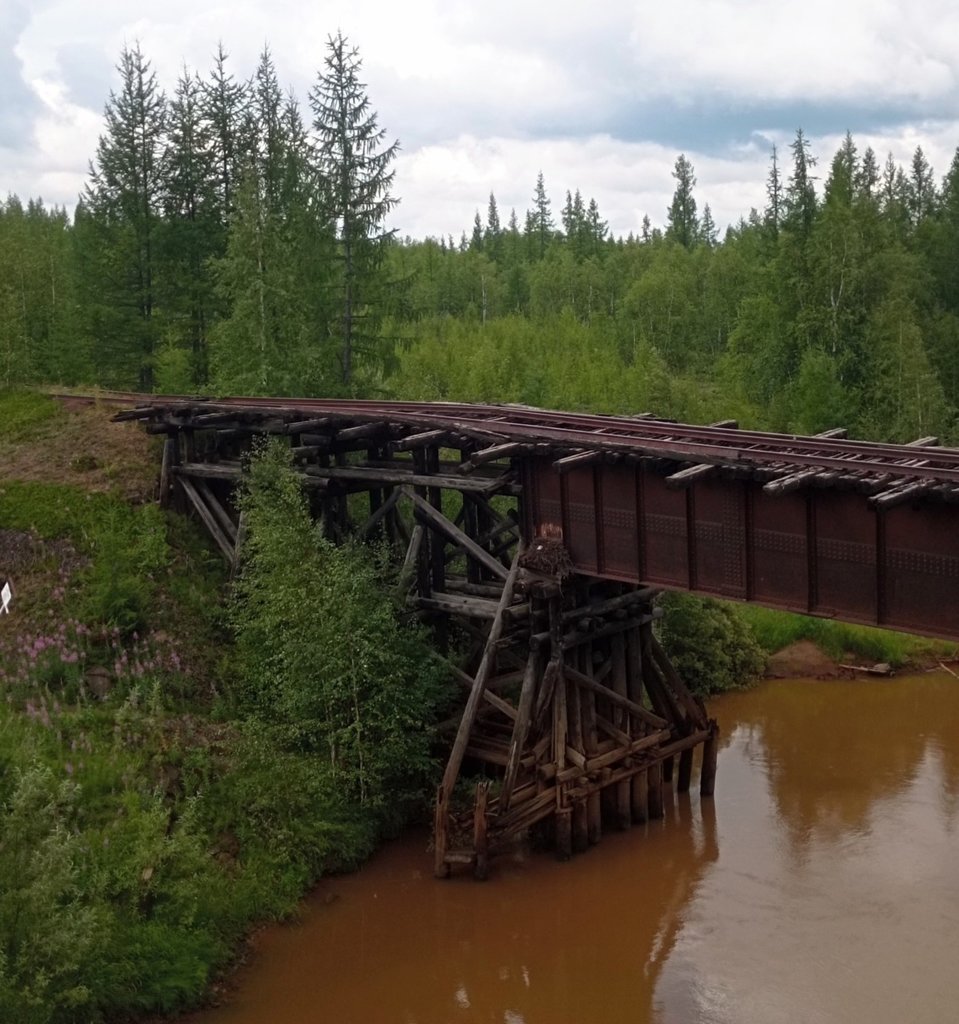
(594, 802)
(480, 837)
(564, 833)
(623, 806)
(685, 771)
(423, 561)
(707, 778)
(437, 546)
(166, 470)
(470, 524)
(640, 797)
(634, 681)
(520, 729)
(564, 813)
(654, 777)
(455, 762)
(376, 494)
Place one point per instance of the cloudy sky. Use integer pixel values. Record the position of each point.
(482, 95)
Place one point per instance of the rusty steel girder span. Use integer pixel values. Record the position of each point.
(822, 552)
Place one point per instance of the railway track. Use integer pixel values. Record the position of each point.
(922, 462)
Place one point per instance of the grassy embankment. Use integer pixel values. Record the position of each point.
(162, 786)
(841, 641)
(148, 814)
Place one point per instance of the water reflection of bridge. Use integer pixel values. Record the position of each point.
(540, 539)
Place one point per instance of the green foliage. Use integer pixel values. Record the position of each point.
(126, 546)
(52, 510)
(22, 411)
(775, 630)
(324, 662)
(710, 644)
(142, 828)
(128, 551)
(355, 163)
(49, 931)
(224, 243)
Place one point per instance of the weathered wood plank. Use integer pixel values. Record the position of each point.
(229, 527)
(209, 520)
(375, 475)
(491, 454)
(636, 709)
(520, 728)
(439, 522)
(455, 762)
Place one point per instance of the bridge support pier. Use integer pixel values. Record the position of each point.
(583, 735)
(572, 714)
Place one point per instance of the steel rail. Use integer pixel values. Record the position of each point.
(722, 446)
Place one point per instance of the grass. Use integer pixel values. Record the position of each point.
(22, 411)
(775, 630)
(42, 442)
(148, 821)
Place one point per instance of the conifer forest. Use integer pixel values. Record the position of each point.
(231, 238)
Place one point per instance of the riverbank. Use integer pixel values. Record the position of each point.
(817, 879)
(163, 789)
(149, 819)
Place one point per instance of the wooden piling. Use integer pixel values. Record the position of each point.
(564, 833)
(594, 802)
(685, 771)
(441, 868)
(480, 836)
(640, 797)
(622, 814)
(654, 776)
(707, 778)
(580, 826)
(624, 808)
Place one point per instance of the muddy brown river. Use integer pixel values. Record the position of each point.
(820, 885)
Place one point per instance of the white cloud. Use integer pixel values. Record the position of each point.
(483, 96)
(757, 50)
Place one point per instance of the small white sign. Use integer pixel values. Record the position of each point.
(5, 596)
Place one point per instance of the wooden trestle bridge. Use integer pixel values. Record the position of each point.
(539, 540)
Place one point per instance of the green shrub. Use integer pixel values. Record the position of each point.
(321, 654)
(129, 547)
(710, 644)
(50, 930)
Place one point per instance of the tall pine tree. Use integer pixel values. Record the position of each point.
(355, 166)
(123, 200)
(683, 224)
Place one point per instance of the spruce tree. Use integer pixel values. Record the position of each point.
(539, 220)
(596, 227)
(683, 224)
(707, 230)
(867, 177)
(476, 239)
(493, 233)
(800, 190)
(921, 188)
(123, 197)
(225, 104)
(355, 165)
(190, 234)
(774, 196)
